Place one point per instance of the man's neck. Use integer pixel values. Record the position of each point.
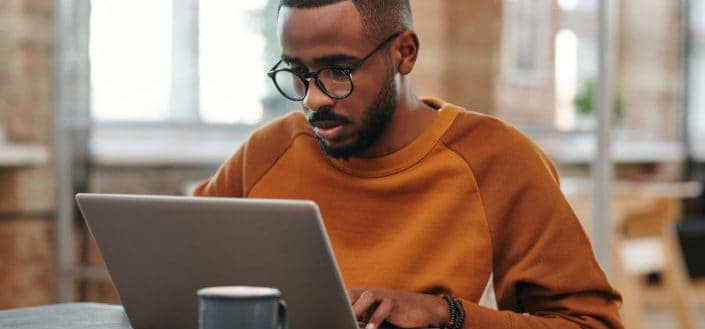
(411, 118)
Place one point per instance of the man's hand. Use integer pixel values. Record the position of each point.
(400, 308)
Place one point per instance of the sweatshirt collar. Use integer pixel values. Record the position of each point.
(408, 155)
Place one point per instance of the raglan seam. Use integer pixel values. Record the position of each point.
(482, 204)
(273, 163)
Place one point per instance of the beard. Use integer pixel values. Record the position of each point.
(375, 122)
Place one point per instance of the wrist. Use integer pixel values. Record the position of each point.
(442, 312)
(456, 313)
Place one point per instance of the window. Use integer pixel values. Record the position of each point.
(130, 54)
(186, 61)
(232, 68)
(566, 75)
(547, 56)
(575, 61)
(696, 76)
(525, 37)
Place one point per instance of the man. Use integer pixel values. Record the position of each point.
(422, 200)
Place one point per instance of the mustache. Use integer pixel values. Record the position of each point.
(325, 114)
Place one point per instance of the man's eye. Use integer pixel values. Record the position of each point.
(339, 75)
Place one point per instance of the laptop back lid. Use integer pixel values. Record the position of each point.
(160, 250)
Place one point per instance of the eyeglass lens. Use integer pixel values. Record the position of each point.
(334, 82)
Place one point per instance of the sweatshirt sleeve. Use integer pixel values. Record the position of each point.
(241, 171)
(227, 181)
(545, 272)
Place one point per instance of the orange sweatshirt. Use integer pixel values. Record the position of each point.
(470, 207)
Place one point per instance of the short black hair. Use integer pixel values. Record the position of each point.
(380, 18)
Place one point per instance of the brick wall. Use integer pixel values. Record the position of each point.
(650, 69)
(459, 51)
(26, 193)
(525, 91)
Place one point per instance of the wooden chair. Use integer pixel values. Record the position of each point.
(643, 230)
(650, 222)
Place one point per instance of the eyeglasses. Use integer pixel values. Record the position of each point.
(334, 80)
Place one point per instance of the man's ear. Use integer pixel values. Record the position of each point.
(407, 46)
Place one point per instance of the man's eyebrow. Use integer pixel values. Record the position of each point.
(334, 59)
(325, 60)
(288, 59)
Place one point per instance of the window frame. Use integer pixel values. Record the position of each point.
(695, 129)
(201, 143)
(184, 101)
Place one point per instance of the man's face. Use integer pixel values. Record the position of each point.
(317, 37)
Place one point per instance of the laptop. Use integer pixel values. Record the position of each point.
(159, 250)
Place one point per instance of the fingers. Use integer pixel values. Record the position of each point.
(354, 294)
(363, 303)
(383, 311)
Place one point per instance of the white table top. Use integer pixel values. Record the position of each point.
(689, 189)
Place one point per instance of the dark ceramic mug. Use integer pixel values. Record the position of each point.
(242, 308)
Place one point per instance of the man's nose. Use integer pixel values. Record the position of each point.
(316, 99)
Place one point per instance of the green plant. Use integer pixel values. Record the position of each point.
(584, 98)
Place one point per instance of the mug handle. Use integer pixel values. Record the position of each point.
(283, 317)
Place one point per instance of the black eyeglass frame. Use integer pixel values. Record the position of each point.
(306, 76)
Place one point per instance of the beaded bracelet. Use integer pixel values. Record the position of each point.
(461, 314)
(451, 309)
(457, 313)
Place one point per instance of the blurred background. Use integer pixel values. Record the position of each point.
(135, 96)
